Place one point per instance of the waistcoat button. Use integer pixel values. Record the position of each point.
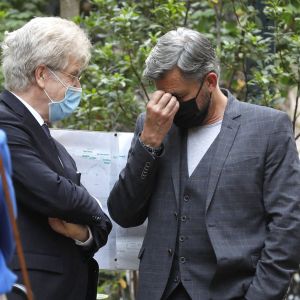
(186, 198)
(182, 259)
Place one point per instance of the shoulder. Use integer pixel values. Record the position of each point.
(259, 110)
(14, 126)
(267, 119)
(7, 115)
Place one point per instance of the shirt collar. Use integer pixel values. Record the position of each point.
(36, 115)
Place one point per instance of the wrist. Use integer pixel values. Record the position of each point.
(83, 236)
(154, 151)
(150, 141)
(88, 242)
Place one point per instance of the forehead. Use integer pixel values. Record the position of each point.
(173, 81)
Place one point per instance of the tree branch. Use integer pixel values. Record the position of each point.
(240, 49)
(138, 76)
(218, 23)
(296, 103)
(188, 6)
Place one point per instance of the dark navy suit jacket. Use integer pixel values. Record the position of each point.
(45, 188)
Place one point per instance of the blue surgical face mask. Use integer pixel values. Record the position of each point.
(59, 110)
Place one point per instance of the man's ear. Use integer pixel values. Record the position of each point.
(40, 76)
(212, 80)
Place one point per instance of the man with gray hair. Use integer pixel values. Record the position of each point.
(61, 224)
(217, 179)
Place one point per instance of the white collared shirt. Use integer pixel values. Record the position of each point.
(36, 115)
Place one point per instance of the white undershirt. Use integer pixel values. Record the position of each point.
(199, 140)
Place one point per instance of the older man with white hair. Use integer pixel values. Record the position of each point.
(61, 224)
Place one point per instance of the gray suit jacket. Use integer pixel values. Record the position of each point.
(252, 206)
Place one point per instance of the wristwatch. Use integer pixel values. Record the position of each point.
(155, 151)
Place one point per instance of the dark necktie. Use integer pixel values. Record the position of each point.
(47, 131)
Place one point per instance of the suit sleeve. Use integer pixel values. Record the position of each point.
(48, 193)
(281, 190)
(129, 198)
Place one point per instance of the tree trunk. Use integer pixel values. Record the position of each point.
(69, 8)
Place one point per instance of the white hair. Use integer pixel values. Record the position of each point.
(43, 40)
(186, 49)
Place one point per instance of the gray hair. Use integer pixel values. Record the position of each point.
(186, 49)
(43, 40)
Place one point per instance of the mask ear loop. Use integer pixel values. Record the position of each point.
(57, 78)
(202, 83)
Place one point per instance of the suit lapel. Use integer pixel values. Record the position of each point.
(175, 149)
(229, 129)
(40, 139)
(44, 144)
(69, 164)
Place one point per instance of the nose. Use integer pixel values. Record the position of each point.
(77, 83)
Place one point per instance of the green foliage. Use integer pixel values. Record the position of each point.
(123, 34)
(259, 60)
(258, 48)
(113, 284)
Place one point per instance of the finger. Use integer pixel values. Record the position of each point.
(174, 110)
(155, 97)
(72, 227)
(170, 106)
(164, 100)
(54, 221)
(57, 225)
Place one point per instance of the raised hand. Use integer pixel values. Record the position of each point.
(160, 113)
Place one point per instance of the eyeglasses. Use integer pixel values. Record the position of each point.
(75, 79)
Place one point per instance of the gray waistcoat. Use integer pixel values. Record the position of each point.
(194, 252)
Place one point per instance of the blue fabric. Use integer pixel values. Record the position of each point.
(7, 245)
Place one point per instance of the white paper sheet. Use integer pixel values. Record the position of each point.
(100, 156)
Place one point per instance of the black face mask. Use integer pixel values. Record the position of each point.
(189, 115)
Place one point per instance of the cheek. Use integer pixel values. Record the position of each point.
(203, 101)
(58, 93)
